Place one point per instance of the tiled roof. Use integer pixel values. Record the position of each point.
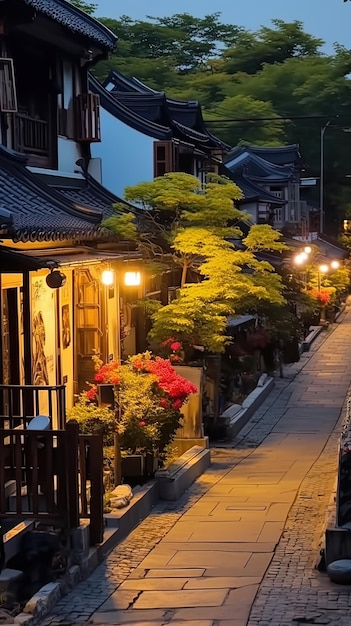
(75, 20)
(126, 115)
(281, 155)
(256, 168)
(250, 190)
(36, 212)
(92, 194)
(183, 118)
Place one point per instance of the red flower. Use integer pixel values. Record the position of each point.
(164, 403)
(175, 358)
(142, 423)
(175, 346)
(92, 393)
(177, 404)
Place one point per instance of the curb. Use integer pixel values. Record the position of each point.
(118, 525)
(237, 416)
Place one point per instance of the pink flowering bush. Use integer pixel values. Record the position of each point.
(173, 349)
(149, 395)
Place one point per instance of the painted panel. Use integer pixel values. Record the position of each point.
(43, 332)
(127, 155)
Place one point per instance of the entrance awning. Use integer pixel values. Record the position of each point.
(14, 262)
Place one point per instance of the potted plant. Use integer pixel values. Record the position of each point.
(148, 395)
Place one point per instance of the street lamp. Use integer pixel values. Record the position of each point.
(323, 269)
(321, 185)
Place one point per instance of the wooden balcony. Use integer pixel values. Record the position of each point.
(31, 136)
(87, 118)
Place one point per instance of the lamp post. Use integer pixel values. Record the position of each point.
(321, 186)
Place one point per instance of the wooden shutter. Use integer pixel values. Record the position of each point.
(164, 158)
(8, 97)
(87, 117)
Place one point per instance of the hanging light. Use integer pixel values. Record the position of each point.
(55, 279)
(335, 265)
(132, 279)
(108, 277)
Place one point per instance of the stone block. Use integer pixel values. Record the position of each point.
(80, 540)
(9, 579)
(174, 480)
(337, 544)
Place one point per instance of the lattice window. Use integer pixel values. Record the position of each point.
(8, 96)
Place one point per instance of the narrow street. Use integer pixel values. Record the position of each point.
(240, 547)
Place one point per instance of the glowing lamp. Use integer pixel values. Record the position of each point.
(298, 259)
(108, 277)
(308, 249)
(324, 269)
(335, 265)
(132, 279)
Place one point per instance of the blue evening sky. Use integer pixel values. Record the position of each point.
(329, 20)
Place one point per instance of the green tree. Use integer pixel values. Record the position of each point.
(252, 51)
(166, 48)
(87, 7)
(188, 226)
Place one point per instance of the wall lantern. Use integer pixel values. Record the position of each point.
(132, 279)
(55, 279)
(108, 277)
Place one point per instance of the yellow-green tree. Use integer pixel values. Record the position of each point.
(192, 226)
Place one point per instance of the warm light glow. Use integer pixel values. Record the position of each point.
(308, 249)
(335, 265)
(304, 256)
(132, 279)
(108, 277)
(324, 269)
(298, 259)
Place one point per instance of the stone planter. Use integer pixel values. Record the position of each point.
(133, 466)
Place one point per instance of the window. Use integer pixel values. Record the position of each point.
(277, 192)
(165, 157)
(8, 97)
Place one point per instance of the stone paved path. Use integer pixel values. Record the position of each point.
(239, 548)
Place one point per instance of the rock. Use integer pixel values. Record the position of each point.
(119, 503)
(340, 571)
(122, 491)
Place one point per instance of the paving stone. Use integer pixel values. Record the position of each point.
(293, 435)
(157, 584)
(184, 598)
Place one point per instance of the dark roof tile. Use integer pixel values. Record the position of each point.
(38, 212)
(75, 20)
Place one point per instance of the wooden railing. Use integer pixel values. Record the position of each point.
(53, 475)
(87, 117)
(20, 403)
(31, 135)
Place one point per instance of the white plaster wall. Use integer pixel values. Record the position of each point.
(68, 150)
(126, 154)
(68, 154)
(251, 209)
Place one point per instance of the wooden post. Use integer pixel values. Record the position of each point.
(72, 446)
(97, 489)
(117, 466)
(27, 331)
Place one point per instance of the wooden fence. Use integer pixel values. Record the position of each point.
(20, 403)
(54, 476)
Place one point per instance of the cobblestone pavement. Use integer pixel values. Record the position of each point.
(292, 591)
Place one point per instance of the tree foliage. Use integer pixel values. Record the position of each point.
(186, 225)
(277, 74)
(87, 7)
